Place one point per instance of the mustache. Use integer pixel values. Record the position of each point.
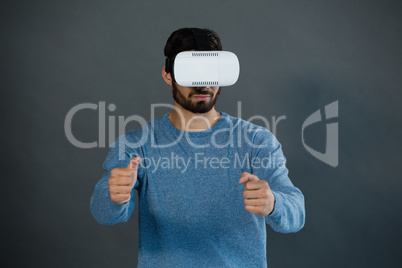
(200, 91)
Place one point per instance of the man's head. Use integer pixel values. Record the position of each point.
(193, 99)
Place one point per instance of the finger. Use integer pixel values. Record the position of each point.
(117, 189)
(120, 198)
(259, 210)
(245, 177)
(120, 180)
(255, 185)
(255, 202)
(121, 172)
(255, 194)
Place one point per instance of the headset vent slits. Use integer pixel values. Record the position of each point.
(208, 83)
(205, 54)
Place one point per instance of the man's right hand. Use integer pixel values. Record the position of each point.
(122, 181)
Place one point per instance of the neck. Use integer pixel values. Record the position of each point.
(193, 122)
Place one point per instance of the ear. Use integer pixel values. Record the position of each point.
(166, 76)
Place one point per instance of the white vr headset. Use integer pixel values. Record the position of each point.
(205, 67)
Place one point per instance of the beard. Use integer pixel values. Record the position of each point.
(199, 106)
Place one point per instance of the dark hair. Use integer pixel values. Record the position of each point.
(183, 40)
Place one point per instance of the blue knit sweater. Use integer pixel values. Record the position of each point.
(191, 210)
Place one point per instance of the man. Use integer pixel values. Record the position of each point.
(207, 182)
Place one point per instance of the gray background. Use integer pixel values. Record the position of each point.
(296, 57)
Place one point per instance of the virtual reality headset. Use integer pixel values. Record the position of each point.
(205, 67)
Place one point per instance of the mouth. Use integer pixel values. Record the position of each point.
(202, 97)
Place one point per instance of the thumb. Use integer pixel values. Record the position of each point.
(134, 163)
(246, 177)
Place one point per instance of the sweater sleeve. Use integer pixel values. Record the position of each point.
(103, 209)
(288, 215)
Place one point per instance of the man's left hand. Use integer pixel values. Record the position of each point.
(257, 194)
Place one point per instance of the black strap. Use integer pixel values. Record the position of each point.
(201, 37)
(168, 65)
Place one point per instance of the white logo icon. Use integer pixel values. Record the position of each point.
(330, 156)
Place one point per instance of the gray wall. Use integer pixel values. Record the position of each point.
(296, 57)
